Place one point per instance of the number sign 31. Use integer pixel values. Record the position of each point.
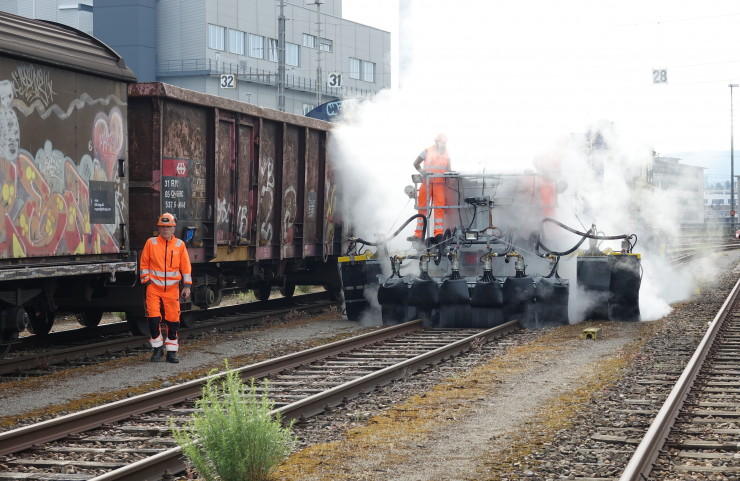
(660, 76)
(228, 81)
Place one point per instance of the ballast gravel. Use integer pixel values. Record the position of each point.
(459, 450)
(286, 337)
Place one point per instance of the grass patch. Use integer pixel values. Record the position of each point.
(304, 289)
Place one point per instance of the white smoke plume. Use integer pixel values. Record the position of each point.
(503, 120)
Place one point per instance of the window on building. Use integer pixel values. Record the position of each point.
(327, 45)
(307, 108)
(236, 41)
(256, 46)
(706, 201)
(292, 54)
(354, 68)
(718, 201)
(309, 41)
(368, 72)
(272, 49)
(216, 37)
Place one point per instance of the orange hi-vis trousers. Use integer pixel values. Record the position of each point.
(437, 197)
(156, 298)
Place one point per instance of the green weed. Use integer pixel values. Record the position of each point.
(233, 437)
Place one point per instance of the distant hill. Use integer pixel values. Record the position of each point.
(717, 163)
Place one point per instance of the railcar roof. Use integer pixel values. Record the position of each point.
(158, 89)
(60, 46)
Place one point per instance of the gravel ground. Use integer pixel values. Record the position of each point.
(462, 449)
(451, 453)
(578, 450)
(50, 392)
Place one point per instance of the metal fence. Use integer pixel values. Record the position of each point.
(250, 74)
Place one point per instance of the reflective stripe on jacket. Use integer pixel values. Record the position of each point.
(436, 163)
(165, 263)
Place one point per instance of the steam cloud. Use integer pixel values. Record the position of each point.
(505, 131)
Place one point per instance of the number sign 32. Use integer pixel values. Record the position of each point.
(660, 76)
(228, 81)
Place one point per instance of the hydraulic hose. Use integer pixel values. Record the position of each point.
(415, 216)
(584, 236)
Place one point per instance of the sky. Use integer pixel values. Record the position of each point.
(535, 70)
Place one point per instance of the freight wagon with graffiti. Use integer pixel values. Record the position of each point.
(250, 187)
(89, 159)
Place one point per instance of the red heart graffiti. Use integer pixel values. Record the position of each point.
(108, 139)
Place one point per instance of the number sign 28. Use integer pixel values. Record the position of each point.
(228, 81)
(660, 76)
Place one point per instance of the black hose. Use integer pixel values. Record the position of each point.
(423, 230)
(584, 236)
(440, 247)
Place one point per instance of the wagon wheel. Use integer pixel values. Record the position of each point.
(187, 319)
(6, 339)
(262, 292)
(40, 323)
(288, 290)
(138, 325)
(89, 318)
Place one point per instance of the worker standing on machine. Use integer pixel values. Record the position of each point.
(436, 160)
(164, 263)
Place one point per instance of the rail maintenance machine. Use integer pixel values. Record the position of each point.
(492, 264)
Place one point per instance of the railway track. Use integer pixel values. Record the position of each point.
(130, 439)
(81, 353)
(683, 253)
(697, 429)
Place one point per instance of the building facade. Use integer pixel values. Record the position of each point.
(77, 14)
(684, 186)
(190, 43)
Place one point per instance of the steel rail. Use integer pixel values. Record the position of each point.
(69, 335)
(32, 361)
(154, 467)
(58, 428)
(641, 463)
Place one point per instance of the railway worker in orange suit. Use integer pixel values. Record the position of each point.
(164, 263)
(436, 160)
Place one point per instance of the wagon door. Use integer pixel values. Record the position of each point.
(313, 206)
(242, 178)
(268, 177)
(291, 216)
(225, 180)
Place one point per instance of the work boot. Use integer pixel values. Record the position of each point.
(172, 357)
(157, 354)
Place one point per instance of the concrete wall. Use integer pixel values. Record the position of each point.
(80, 19)
(128, 27)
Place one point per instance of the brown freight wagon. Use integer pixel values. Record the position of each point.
(63, 175)
(253, 193)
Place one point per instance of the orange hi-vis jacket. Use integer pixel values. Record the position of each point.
(165, 263)
(436, 163)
